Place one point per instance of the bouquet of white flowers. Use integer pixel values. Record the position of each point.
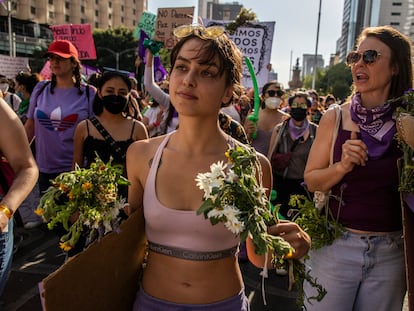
(233, 195)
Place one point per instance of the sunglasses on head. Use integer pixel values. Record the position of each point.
(299, 105)
(368, 56)
(202, 32)
(273, 93)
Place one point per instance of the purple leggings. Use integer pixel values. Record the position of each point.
(145, 302)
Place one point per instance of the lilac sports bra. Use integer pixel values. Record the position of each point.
(176, 229)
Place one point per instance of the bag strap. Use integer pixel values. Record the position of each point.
(117, 150)
(337, 109)
(279, 136)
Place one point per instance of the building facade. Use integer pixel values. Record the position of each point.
(359, 14)
(30, 19)
(308, 63)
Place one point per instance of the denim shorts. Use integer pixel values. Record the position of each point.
(6, 252)
(359, 272)
(145, 302)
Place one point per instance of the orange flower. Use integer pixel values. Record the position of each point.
(65, 246)
(86, 186)
(39, 211)
(70, 196)
(63, 188)
(288, 255)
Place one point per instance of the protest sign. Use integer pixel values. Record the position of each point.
(167, 20)
(147, 24)
(105, 276)
(11, 66)
(254, 41)
(81, 37)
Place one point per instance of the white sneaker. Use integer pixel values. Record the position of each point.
(32, 224)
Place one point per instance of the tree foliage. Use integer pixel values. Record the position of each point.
(335, 80)
(112, 42)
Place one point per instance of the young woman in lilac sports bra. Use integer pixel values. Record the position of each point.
(192, 265)
(364, 269)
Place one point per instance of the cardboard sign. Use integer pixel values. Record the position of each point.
(167, 20)
(105, 276)
(254, 41)
(80, 36)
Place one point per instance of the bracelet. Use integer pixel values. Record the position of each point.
(156, 124)
(6, 211)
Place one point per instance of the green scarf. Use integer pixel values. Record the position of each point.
(24, 106)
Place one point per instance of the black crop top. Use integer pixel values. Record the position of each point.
(104, 149)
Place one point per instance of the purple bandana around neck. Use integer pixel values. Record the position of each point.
(297, 131)
(377, 125)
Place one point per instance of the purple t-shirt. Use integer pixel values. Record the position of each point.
(55, 119)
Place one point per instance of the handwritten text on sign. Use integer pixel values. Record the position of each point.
(167, 20)
(80, 36)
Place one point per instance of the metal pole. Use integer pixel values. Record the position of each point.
(117, 60)
(9, 12)
(316, 47)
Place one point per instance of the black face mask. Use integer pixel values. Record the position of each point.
(114, 104)
(298, 114)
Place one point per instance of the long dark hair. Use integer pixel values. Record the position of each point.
(76, 73)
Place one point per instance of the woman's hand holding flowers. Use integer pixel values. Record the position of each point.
(294, 235)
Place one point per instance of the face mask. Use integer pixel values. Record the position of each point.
(4, 87)
(20, 94)
(272, 102)
(298, 114)
(114, 104)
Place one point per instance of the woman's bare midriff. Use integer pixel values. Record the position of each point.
(192, 282)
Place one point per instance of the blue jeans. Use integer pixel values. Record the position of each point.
(6, 252)
(359, 273)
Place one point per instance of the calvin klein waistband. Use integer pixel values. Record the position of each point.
(192, 255)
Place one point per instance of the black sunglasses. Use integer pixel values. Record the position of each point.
(368, 56)
(272, 93)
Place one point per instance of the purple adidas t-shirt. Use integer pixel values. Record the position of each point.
(55, 119)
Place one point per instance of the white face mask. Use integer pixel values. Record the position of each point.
(272, 102)
(4, 87)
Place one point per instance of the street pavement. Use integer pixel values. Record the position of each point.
(38, 255)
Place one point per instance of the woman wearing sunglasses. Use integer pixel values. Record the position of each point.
(269, 116)
(180, 274)
(364, 269)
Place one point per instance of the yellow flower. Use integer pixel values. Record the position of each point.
(70, 195)
(228, 156)
(86, 186)
(65, 246)
(288, 255)
(39, 211)
(63, 187)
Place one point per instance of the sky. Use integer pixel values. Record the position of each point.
(295, 28)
